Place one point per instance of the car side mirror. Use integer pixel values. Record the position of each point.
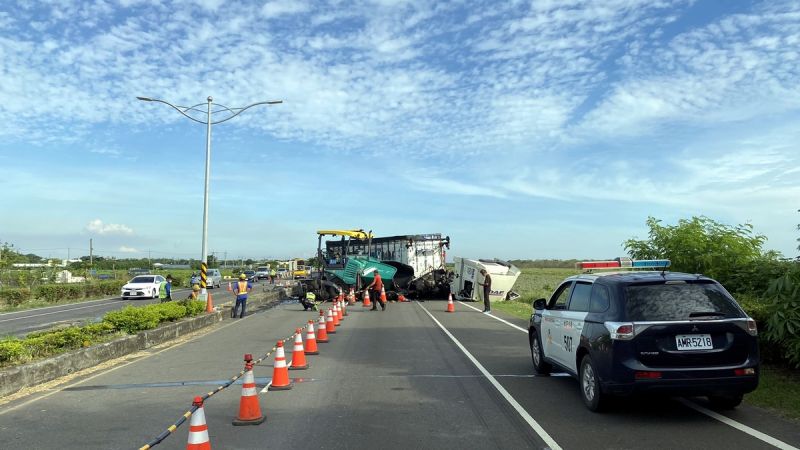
(539, 304)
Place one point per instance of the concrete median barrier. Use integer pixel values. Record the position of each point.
(19, 377)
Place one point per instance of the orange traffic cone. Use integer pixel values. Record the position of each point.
(209, 304)
(198, 430)
(249, 409)
(383, 295)
(330, 327)
(280, 373)
(342, 306)
(298, 352)
(322, 329)
(311, 340)
(351, 298)
(401, 298)
(336, 314)
(367, 303)
(230, 289)
(451, 307)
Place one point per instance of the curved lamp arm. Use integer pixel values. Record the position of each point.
(233, 111)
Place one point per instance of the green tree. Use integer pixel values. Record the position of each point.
(701, 245)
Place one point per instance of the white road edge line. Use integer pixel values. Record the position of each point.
(497, 318)
(724, 419)
(739, 426)
(56, 312)
(524, 414)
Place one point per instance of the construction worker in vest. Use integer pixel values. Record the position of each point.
(375, 291)
(272, 274)
(162, 291)
(195, 292)
(310, 301)
(241, 290)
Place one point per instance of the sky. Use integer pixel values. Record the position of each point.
(522, 130)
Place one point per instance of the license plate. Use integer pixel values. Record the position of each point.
(694, 342)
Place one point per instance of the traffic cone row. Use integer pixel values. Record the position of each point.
(249, 408)
(351, 297)
(383, 295)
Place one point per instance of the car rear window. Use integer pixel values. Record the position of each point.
(142, 280)
(678, 301)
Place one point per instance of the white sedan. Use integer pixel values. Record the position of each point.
(142, 286)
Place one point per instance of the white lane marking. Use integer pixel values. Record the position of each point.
(58, 306)
(738, 425)
(724, 419)
(112, 301)
(524, 414)
(57, 312)
(497, 318)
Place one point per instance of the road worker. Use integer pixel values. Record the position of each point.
(374, 289)
(195, 292)
(241, 289)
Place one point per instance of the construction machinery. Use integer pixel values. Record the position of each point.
(412, 265)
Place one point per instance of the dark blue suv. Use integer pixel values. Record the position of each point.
(659, 332)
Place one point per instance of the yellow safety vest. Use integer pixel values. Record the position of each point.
(311, 296)
(242, 288)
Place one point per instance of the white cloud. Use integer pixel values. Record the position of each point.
(125, 249)
(97, 226)
(278, 8)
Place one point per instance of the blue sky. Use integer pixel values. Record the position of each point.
(544, 129)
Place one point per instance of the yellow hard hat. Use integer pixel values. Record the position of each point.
(242, 277)
(196, 287)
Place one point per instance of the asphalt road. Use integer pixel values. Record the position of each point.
(20, 323)
(410, 377)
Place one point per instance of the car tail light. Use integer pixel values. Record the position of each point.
(647, 375)
(752, 328)
(744, 372)
(620, 331)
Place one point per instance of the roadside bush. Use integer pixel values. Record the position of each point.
(14, 296)
(12, 350)
(755, 277)
(131, 319)
(170, 311)
(52, 293)
(783, 322)
(103, 288)
(194, 307)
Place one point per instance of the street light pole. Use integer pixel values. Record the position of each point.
(187, 112)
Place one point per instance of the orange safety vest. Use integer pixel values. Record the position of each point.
(378, 282)
(242, 288)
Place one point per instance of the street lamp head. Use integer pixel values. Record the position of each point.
(145, 99)
(210, 99)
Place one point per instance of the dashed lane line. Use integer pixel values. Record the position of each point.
(551, 443)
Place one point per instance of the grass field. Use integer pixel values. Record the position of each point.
(778, 390)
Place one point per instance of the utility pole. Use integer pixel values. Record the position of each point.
(91, 260)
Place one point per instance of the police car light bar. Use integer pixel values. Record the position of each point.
(624, 264)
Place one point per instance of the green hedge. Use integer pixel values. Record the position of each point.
(14, 296)
(53, 293)
(129, 320)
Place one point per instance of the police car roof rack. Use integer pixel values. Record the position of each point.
(623, 263)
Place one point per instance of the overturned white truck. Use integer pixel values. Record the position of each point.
(464, 285)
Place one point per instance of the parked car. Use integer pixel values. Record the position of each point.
(251, 275)
(663, 332)
(142, 286)
(262, 273)
(213, 278)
